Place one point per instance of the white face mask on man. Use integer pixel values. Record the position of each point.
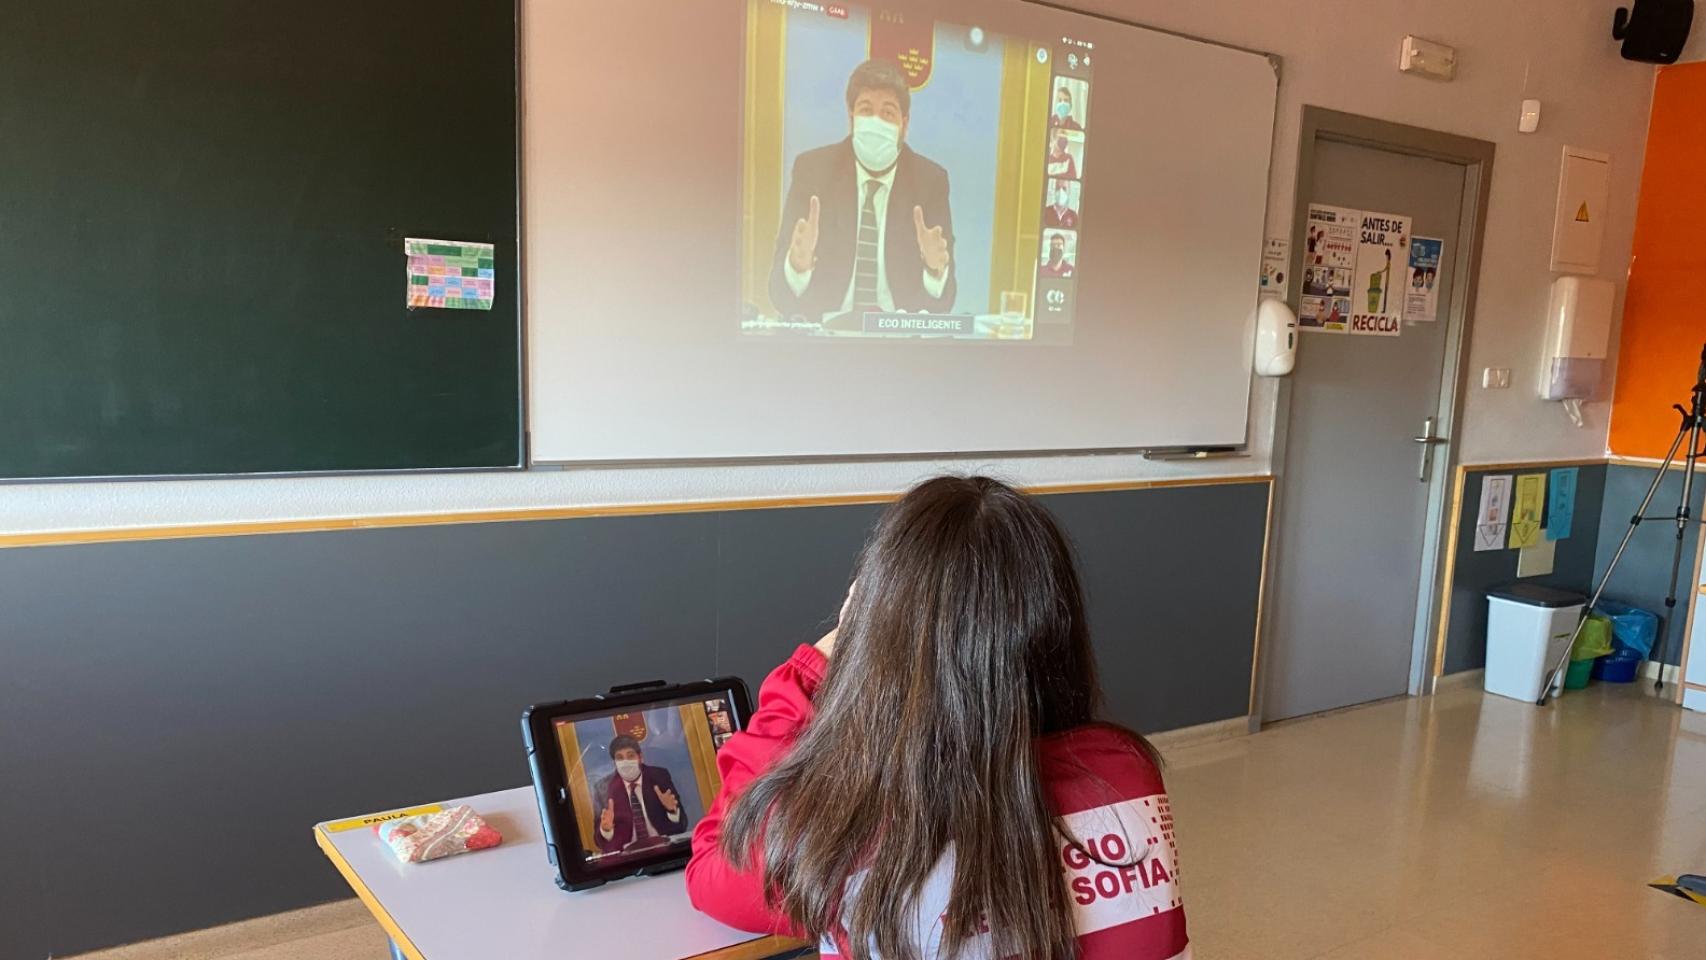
(628, 770)
(876, 142)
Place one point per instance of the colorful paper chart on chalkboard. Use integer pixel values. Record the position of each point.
(450, 274)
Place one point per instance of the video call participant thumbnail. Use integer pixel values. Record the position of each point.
(639, 801)
(1060, 213)
(1062, 117)
(1061, 163)
(866, 225)
(1059, 263)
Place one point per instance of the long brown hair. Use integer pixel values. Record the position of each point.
(963, 641)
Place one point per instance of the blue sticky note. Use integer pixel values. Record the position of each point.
(1561, 503)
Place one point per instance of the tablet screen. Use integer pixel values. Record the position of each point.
(640, 778)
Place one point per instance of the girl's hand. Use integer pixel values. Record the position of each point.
(826, 644)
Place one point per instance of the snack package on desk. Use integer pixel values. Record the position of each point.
(433, 836)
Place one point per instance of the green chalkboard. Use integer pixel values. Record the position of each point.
(203, 206)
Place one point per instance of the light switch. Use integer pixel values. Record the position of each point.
(1496, 378)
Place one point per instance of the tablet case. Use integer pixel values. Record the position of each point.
(544, 761)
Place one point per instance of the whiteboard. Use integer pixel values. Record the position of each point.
(663, 145)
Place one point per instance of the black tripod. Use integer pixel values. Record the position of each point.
(1693, 426)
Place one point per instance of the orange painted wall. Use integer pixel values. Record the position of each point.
(1664, 315)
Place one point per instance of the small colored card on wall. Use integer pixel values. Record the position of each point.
(450, 274)
(1529, 510)
(1561, 503)
(1492, 521)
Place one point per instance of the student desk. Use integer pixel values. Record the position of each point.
(503, 902)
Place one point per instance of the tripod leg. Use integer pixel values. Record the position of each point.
(1684, 514)
(1628, 535)
(1670, 614)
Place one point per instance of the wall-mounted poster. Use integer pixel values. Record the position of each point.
(1561, 503)
(1492, 520)
(1382, 265)
(1276, 261)
(1329, 260)
(1528, 511)
(1421, 297)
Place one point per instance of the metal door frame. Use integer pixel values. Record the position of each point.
(1476, 157)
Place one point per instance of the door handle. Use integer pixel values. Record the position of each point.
(1428, 440)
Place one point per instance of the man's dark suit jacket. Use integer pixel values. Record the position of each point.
(617, 789)
(830, 173)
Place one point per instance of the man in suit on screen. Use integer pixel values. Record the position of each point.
(638, 805)
(866, 224)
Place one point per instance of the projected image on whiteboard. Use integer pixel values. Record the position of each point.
(909, 178)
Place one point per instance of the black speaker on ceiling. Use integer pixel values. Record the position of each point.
(1653, 31)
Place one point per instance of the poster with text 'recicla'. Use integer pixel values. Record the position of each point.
(1382, 267)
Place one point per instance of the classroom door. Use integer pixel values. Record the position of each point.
(1351, 510)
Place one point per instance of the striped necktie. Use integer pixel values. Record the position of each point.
(638, 810)
(865, 261)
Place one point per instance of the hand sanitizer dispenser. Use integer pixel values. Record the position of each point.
(1578, 331)
(1276, 338)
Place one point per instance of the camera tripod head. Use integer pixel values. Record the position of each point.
(1698, 395)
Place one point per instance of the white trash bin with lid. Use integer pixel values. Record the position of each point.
(1528, 628)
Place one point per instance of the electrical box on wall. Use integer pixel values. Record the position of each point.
(1579, 224)
(1578, 331)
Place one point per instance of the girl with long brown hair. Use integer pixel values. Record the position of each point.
(930, 780)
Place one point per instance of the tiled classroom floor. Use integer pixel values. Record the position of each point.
(1466, 826)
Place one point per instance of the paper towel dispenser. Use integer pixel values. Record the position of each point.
(1578, 332)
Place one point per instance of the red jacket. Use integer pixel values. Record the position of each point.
(1109, 796)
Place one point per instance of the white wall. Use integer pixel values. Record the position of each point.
(1337, 53)
(1343, 54)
